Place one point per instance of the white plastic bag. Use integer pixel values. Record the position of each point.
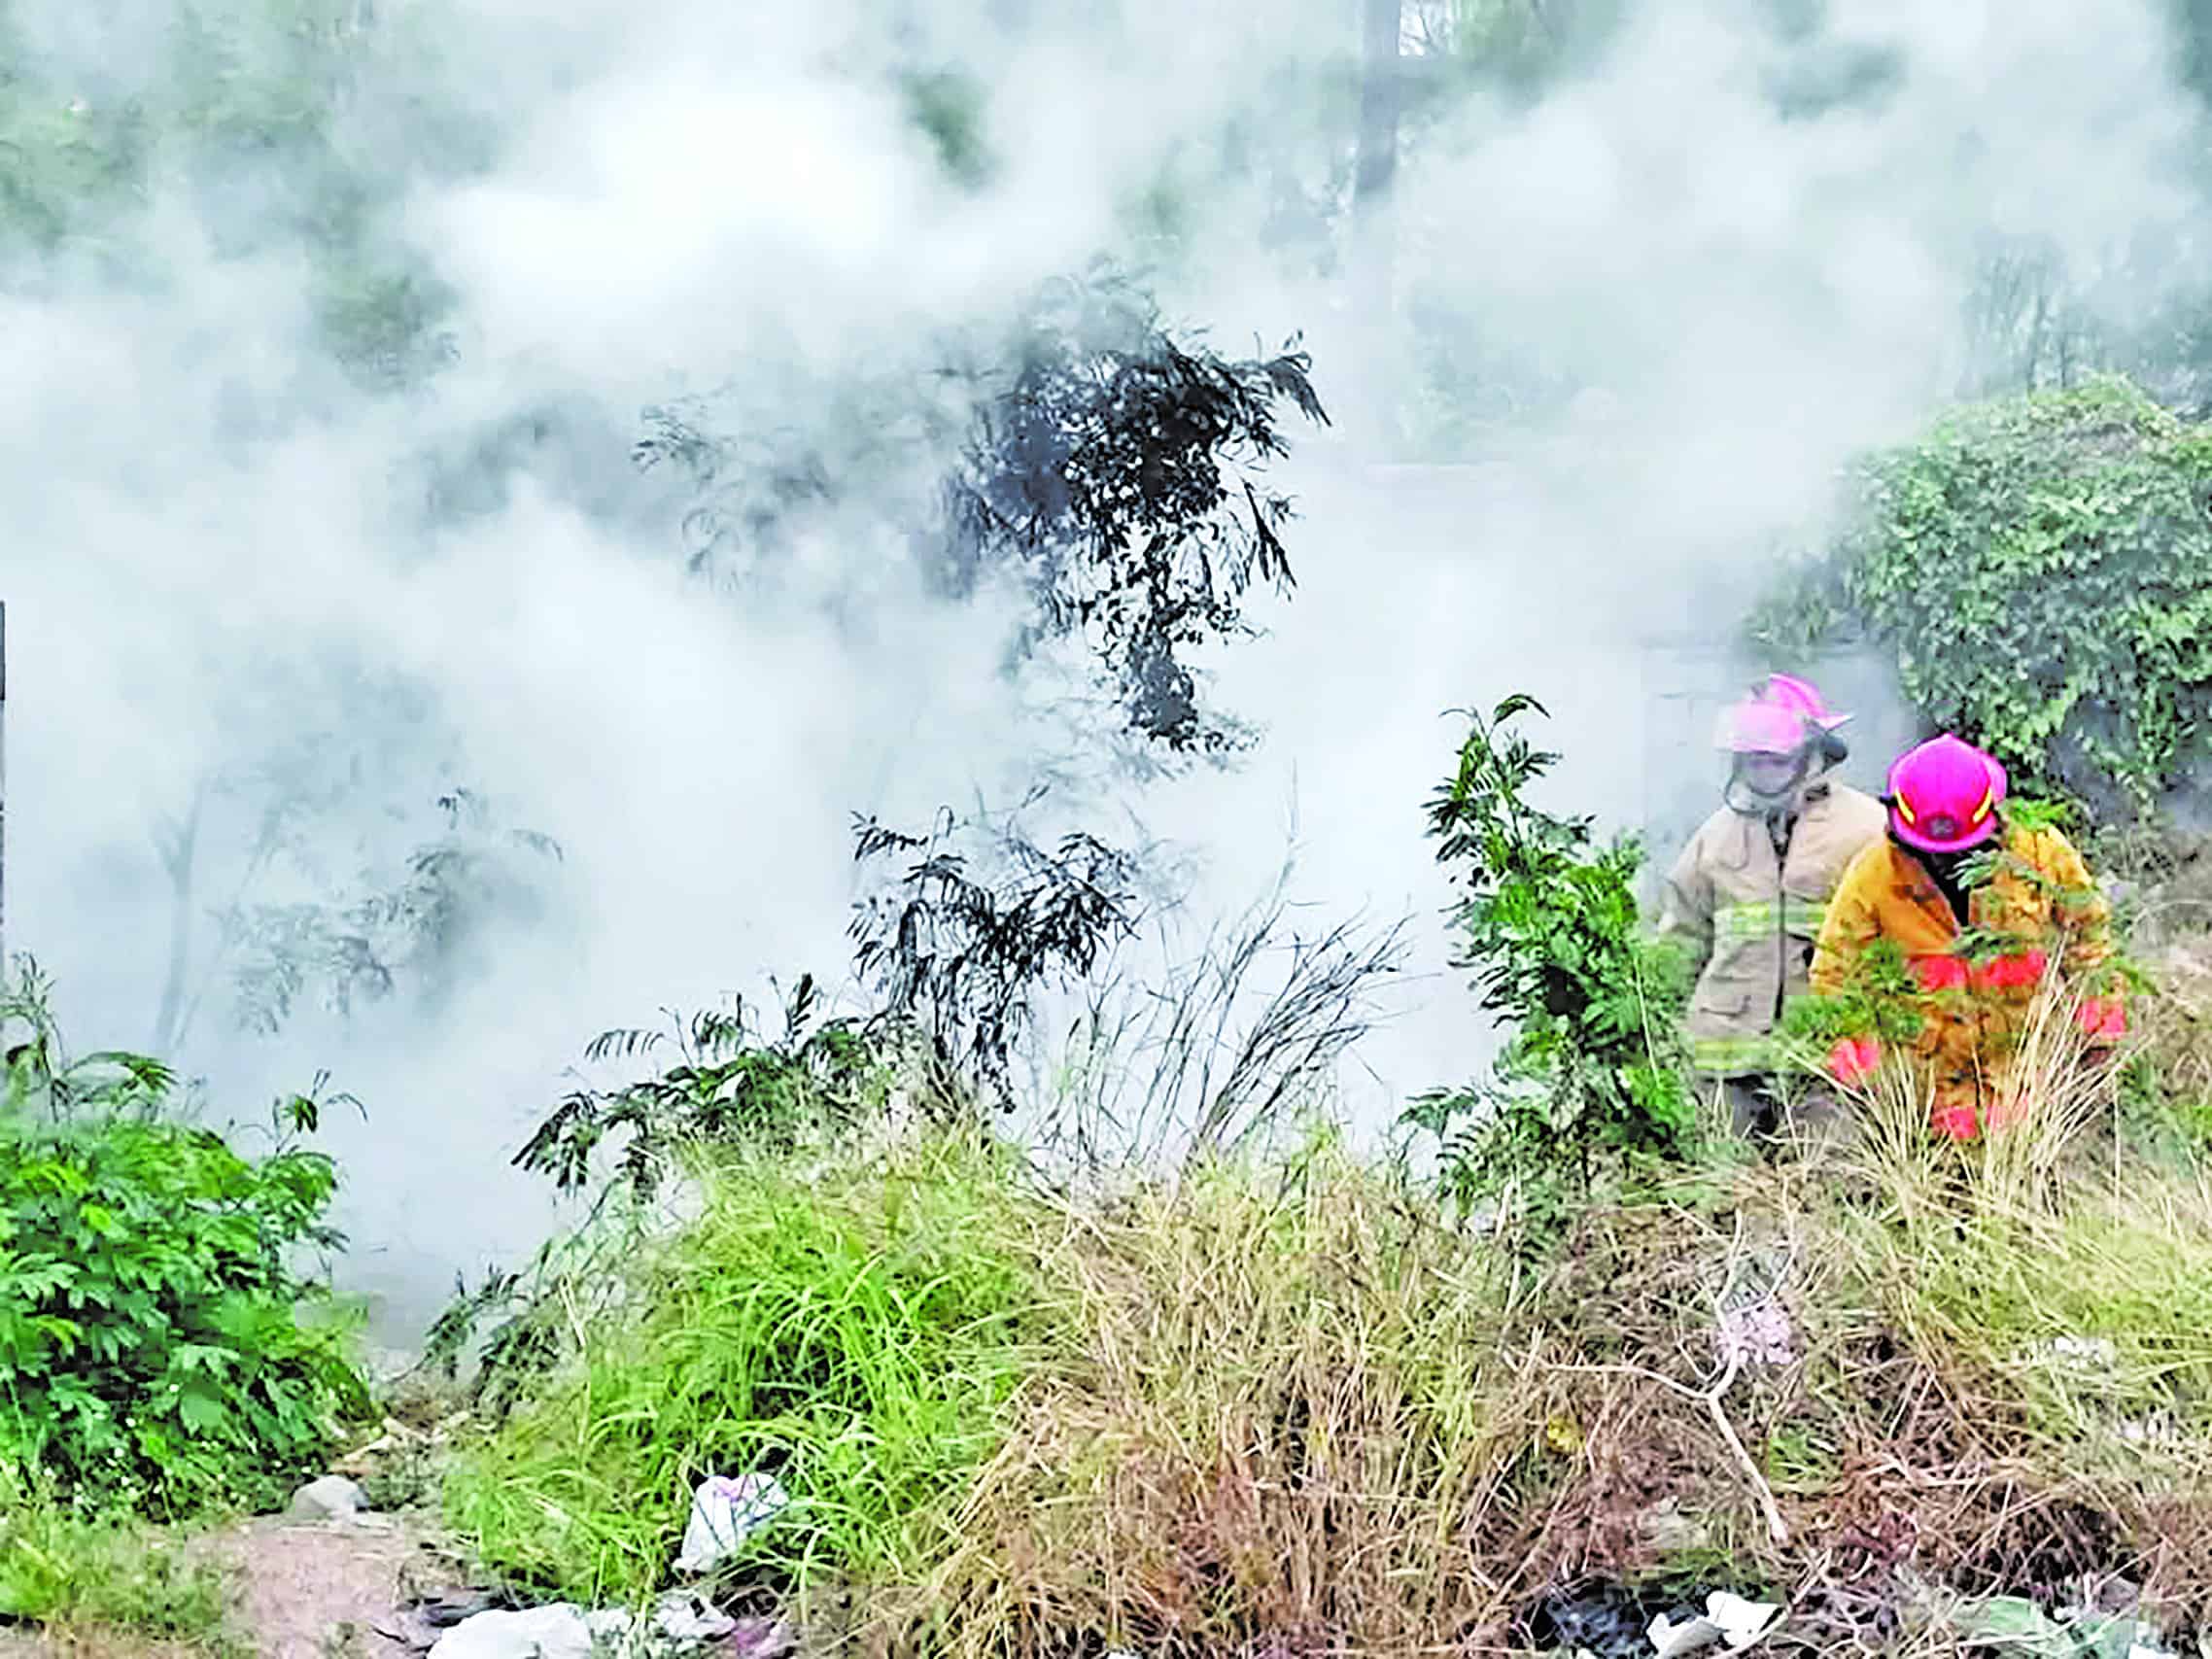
(1727, 1618)
(724, 1514)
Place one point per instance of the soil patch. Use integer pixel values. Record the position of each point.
(299, 1588)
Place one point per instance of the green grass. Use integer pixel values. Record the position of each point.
(858, 1331)
(75, 1572)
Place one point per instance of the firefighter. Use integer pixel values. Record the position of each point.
(1982, 912)
(1747, 894)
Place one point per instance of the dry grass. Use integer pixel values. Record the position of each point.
(1286, 1408)
(1307, 1419)
(1276, 1408)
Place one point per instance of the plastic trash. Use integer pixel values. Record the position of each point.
(1759, 1335)
(333, 1498)
(685, 1616)
(1727, 1618)
(1603, 1620)
(2016, 1625)
(724, 1514)
(561, 1631)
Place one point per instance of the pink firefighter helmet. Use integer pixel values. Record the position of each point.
(1781, 715)
(1803, 698)
(1943, 796)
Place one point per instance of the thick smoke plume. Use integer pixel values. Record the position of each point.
(1723, 251)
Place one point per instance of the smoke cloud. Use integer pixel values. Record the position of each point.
(1690, 289)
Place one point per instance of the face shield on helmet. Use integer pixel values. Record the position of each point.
(1769, 753)
(1779, 737)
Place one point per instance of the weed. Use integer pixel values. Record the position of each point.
(1591, 1072)
(854, 1330)
(955, 959)
(730, 1083)
(70, 1569)
(158, 1346)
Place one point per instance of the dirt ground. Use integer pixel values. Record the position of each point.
(300, 1586)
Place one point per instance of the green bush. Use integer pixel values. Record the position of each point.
(2041, 567)
(853, 1330)
(154, 1349)
(1593, 1072)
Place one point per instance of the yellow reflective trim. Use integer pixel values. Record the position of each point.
(1729, 1054)
(1746, 921)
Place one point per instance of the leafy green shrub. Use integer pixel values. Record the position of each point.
(853, 1330)
(2042, 569)
(1593, 1070)
(153, 1349)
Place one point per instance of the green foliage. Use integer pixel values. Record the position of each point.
(1116, 469)
(854, 1331)
(1881, 999)
(237, 102)
(410, 924)
(1523, 49)
(63, 1567)
(730, 1086)
(731, 1091)
(153, 1345)
(2042, 569)
(955, 956)
(44, 1082)
(1549, 922)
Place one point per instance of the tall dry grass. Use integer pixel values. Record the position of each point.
(1307, 1418)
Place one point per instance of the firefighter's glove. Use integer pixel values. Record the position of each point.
(1851, 1062)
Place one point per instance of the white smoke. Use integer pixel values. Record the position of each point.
(211, 527)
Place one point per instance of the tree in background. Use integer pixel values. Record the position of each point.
(287, 124)
(1110, 468)
(333, 865)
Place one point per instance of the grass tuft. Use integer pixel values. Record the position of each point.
(79, 1574)
(853, 1329)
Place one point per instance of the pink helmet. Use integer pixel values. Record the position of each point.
(1781, 715)
(1801, 698)
(1943, 796)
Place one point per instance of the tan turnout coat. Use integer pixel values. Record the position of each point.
(1750, 920)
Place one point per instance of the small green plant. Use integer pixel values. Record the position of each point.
(1592, 1073)
(730, 1084)
(956, 948)
(853, 1329)
(155, 1345)
(1879, 1000)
